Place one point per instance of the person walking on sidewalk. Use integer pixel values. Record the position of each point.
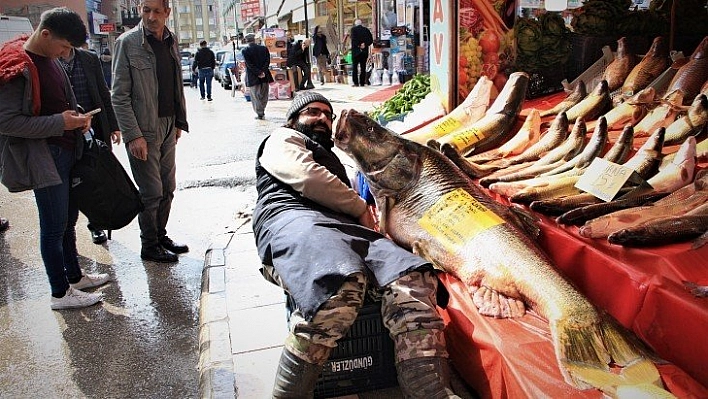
(258, 77)
(41, 134)
(315, 238)
(205, 62)
(321, 53)
(148, 97)
(87, 81)
(361, 40)
(301, 59)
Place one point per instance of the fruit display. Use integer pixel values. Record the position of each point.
(485, 46)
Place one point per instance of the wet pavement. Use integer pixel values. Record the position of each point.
(160, 331)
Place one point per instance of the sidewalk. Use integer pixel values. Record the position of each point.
(242, 317)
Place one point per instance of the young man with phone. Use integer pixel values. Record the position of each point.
(89, 85)
(38, 116)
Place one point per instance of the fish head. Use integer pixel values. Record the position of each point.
(389, 162)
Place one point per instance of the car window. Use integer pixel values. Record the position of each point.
(185, 62)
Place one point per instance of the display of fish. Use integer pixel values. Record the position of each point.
(692, 123)
(551, 138)
(573, 167)
(631, 110)
(579, 92)
(691, 76)
(662, 115)
(617, 71)
(496, 125)
(429, 205)
(559, 187)
(676, 174)
(560, 205)
(648, 157)
(661, 231)
(469, 111)
(654, 62)
(597, 103)
(674, 204)
(580, 215)
(566, 151)
(528, 134)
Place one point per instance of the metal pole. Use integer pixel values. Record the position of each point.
(307, 23)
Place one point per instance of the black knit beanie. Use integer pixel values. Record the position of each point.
(301, 100)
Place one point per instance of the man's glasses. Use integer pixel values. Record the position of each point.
(316, 112)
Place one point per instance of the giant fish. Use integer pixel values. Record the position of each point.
(430, 206)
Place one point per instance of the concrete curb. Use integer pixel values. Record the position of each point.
(216, 368)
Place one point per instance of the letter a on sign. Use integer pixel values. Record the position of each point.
(438, 11)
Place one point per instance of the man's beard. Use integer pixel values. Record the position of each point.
(317, 131)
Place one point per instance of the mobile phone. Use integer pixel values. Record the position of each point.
(93, 112)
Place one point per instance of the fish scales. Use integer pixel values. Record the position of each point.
(435, 210)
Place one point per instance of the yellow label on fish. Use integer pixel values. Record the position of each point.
(456, 217)
(447, 125)
(465, 138)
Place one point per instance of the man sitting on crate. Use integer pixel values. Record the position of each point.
(315, 238)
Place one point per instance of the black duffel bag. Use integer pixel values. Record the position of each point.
(102, 189)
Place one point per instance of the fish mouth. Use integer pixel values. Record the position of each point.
(342, 135)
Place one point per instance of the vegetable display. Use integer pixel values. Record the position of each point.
(542, 42)
(411, 93)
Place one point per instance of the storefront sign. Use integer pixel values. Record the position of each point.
(107, 27)
(443, 26)
(250, 9)
(604, 179)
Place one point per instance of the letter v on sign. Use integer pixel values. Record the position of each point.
(438, 40)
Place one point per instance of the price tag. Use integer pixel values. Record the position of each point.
(604, 179)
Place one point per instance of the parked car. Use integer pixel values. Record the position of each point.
(227, 63)
(187, 71)
(219, 56)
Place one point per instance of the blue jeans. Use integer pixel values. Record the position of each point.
(57, 225)
(205, 74)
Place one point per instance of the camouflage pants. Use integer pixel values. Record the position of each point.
(408, 307)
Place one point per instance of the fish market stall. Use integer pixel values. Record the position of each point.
(647, 290)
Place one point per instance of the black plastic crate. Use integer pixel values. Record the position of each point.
(363, 360)
(547, 81)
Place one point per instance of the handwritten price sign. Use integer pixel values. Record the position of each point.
(604, 179)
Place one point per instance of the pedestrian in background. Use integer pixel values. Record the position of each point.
(106, 63)
(87, 81)
(41, 135)
(301, 59)
(315, 236)
(321, 53)
(205, 62)
(290, 61)
(148, 97)
(361, 39)
(258, 77)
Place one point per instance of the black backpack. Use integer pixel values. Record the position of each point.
(103, 190)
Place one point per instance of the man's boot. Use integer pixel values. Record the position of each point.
(425, 377)
(295, 378)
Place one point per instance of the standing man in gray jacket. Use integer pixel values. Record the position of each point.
(148, 99)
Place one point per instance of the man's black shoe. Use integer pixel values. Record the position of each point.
(172, 246)
(4, 224)
(157, 253)
(98, 236)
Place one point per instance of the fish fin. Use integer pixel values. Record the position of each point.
(640, 379)
(642, 391)
(623, 345)
(494, 304)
